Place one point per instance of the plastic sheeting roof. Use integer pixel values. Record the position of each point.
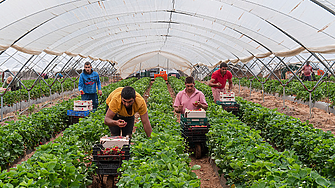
(186, 32)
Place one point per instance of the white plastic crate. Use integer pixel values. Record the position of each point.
(82, 105)
(195, 114)
(112, 141)
(82, 102)
(82, 108)
(231, 94)
(227, 96)
(227, 99)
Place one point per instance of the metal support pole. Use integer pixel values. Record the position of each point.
(263, 91)
(50, 92)
(284, 97)
(250, 88)
(61, 85)
(29, 97)
(310, 104)
(239, 85)
(1, 107)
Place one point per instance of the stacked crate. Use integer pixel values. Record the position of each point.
(194, 127)
(227, 101)
(82, 105)
(108, 163)
(227, 97)
(81, 109)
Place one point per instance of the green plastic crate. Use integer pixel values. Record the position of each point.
(193, 121)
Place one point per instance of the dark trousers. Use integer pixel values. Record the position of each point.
(93, 97)
(127, 130)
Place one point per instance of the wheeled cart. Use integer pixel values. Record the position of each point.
(194, 131)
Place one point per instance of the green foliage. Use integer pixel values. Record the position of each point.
(61, 163)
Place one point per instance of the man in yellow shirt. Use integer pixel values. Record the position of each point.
(122, 104)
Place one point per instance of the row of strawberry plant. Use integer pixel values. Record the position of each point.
(62, 163)
(41, 89)
(314, 147)
(16, 137)
(325, 91)
(248, 161)
(28, 132)
(159, 161)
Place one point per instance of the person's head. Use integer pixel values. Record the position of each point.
(307, 63)
(128, 96)
(88, 67)
(189, 84)
(223, 68)
(9, 79)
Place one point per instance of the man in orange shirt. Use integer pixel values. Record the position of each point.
(122, 104)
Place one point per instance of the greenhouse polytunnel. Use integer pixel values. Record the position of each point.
(266, 45)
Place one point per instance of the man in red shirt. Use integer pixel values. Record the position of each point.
(219, 79)
(307, 69)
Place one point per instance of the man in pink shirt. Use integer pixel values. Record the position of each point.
(307, 69)
(189, 98)
(219, 79)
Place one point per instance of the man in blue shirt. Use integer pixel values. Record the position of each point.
(88, 82)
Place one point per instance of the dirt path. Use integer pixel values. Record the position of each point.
(206, 174)
(320, 118)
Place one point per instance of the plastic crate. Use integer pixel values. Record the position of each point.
(227, 103)
(195, 138)
(105, 158)
(192, 132)
(74, 119)
(185, 125)
(193, 121)
(108, 168)
(78, 113)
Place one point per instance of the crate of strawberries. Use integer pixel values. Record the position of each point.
(110, 154)
(194, 130)
(108, 160)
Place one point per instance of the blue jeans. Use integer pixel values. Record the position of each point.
(93, 97)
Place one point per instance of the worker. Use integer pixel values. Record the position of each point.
(88, 83)
(189, 98)
(218, 81)
(122, 104)
(307, 70)
(15, 85)
(59, 75)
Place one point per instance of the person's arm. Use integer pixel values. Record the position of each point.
(146, 124)
(99, 86)
(201, 105)
(230, 82)
(212, 84)
(178, 109)
(81, 84)
(177, 104)
(110, 122)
